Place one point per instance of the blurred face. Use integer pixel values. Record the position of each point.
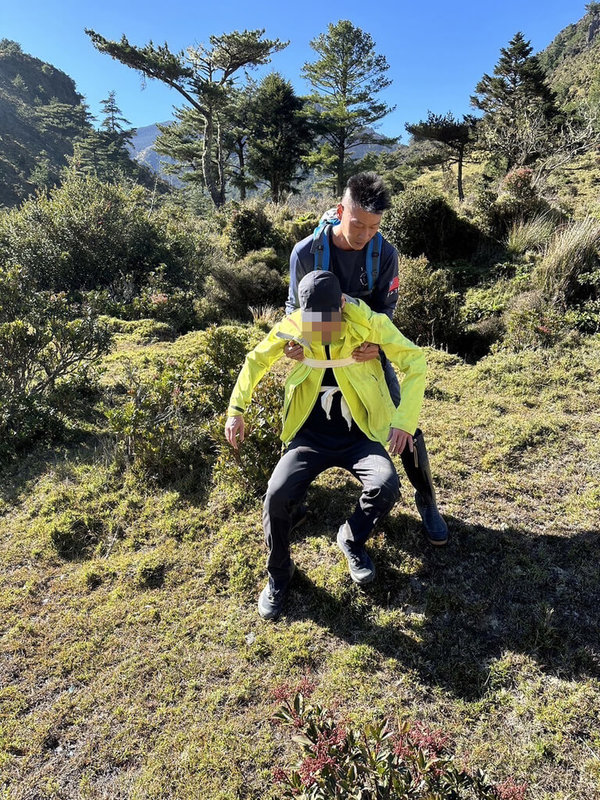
(357, 227)
(322, 327)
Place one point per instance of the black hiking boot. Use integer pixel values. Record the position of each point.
(271, 600)
(418, 472)
(362, 569)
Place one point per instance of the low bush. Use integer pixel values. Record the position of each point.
(165, 426)
(422, 222)
(428, 311)
(482, 302)
(87, 235)
(248, 228)
(380, 760)
(516, 203)
(233, 288)
(532, 321)
(48, 343)
(245, 473)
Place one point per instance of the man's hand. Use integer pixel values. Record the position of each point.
(234, 431)
(366, 352)
(294, 350)
(398, 440)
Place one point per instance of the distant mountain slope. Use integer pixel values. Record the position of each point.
(40, 114)
(142, 150)
(572, 59)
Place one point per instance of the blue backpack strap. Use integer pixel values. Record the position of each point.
(372, 259)
(320, 245)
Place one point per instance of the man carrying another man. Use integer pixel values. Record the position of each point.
(337, 412)
(351, 247)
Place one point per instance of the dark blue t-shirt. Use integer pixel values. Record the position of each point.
(350, 268)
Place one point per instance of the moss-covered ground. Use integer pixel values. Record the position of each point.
(137, 667)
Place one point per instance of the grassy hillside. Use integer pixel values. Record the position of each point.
(571, 59)
(143, 670)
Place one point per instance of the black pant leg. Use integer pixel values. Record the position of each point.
(370, 463)
(289, 482)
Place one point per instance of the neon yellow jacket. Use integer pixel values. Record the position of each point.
(362, 384)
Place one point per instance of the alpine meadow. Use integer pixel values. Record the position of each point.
(133, 662)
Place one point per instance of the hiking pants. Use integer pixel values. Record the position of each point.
(299, 466)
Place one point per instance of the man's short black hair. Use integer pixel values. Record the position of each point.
(367, 190)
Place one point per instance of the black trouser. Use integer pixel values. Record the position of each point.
(299, 466)
(391, 379)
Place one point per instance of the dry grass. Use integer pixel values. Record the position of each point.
(574, 250)
(532, 235)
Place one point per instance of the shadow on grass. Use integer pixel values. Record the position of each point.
(450, 613)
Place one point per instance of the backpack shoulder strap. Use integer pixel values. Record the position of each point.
(320, 244)
(373, 257)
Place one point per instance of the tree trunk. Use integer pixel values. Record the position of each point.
(461, 194)
(220, 164)
(340, 178)
(207, 165)
(242, 163)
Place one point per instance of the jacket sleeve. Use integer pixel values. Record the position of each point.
(410, 359)
(257, 362)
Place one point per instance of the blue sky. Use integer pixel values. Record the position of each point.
(437, 50)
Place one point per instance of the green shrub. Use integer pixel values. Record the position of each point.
(233, 288)
(428, 311)
(299, 228)
(532, 321)
(585, 317)
(421, 222)
(165, 426)
(266, 256)
(516, 203)
(87, 235)
(245, 473)
(379, 760)
(482, 302)
(43, 351)
(249, 228)
(83, 235)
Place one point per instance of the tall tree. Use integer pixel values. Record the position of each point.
(239, 112)
(515, 94)
(204, 76)
(103, 152)
(346, 79)
(454, 136)
(280, 136)
(114, 123)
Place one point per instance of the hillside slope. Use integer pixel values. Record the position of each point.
(41, 113)
(572, 60)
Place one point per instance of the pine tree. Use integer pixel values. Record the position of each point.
(279, 136)
(518, 103)
(113, 122)
(204, 76)
(104, 152)
(346, 79)
(454, 136)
